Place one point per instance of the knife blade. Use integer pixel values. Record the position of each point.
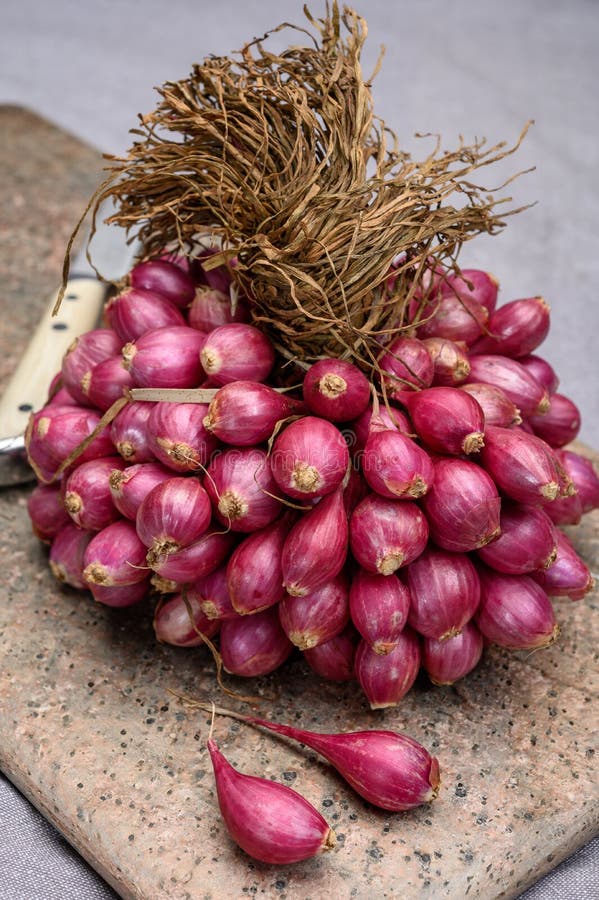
(84, 298)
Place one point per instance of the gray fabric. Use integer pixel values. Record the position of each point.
(577, 878)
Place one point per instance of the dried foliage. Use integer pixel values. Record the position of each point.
(281, 157)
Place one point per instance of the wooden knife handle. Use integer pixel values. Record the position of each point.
(27, 390)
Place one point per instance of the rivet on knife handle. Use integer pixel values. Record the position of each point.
(28, 387)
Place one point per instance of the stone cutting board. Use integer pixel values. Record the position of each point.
(90, 734)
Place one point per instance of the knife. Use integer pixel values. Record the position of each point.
(84, 297)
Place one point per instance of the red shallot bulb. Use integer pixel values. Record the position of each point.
(516, 328)
(173, 515)
(255, 572)
(244, 413)
(391, 418)
(67, 553)
(388, 769)
(212, 594)
(309, 458)
(315, 549)
(211, 308)
(462, 507)
(386, 679)
(164, 278)
(177, 622)
(387, 534)
(449, 660)
(316, 617)
(568, 575)
(135, 311)
(177, 436)
(379, 606)
(450, 361)
(515, 381)
(444, 591)
(527, 541)
(219, 277)
(87, 496)
(473, 284)
(497, 408)
(120, 596)
(336, 390)
(406, 365)
(242, 489)
(515, 612)
(55, 432)
(46, 511)
(560, 424)
(237, 352)
(115, 556)
(540, 369)
(166, 358)
(334, 659)
(129, 432)
(452, 317)
(254, 645)
(447, 420)
(131, 485)
(203, 556)
(523, 466)
(85, 352)
(355, 490)
(394, 465)
(106, 383)
(270, 821)
(584, 478)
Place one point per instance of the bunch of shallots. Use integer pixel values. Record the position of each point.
(377, 531)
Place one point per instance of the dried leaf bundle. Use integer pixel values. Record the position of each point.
(282, 158)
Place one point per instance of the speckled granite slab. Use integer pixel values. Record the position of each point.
(89, 732)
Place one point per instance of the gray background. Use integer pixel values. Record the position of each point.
(471, 67)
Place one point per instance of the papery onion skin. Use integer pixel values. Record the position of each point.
(447, 420)
(211, 308)
(336, 390)
(55, 432)
(515, 381)
(315, 549)
(447, 661)
(387, 534)
(387, 679)
(463, 506)
(200, 558)
(173, 625)
(497, 408)
(85, 352)
(242, 489)
(87, 495)
(515, 612)
(67, 554)
(271, 822)
(334, 659)
(212, 594)
(450, 361)
(244, 413)
(115, 556)
(527, 541)
(454, 318)
(177, 436)
(540, 369)
(237, 352)
(46, 511)
(584, 478)
(516, 328)
(474, 284)
(569, 575)
(379, 606)
(406, 365)
(394, 465)
(523, 466)
(255, 572)
(391, 418)
(309, 458)
(254, 645)
(560, 423)
(316, 617)
(444, 592)
(135, 311)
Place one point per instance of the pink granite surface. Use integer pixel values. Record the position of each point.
(89, 732)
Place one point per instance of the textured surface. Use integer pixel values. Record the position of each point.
(89, 732)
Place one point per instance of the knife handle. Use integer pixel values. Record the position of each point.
(27, 390)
